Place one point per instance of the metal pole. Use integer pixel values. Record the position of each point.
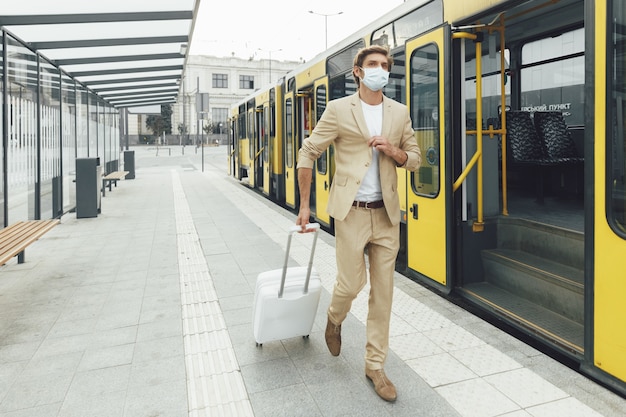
(326, 30)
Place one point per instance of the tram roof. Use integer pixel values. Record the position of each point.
(129, 52)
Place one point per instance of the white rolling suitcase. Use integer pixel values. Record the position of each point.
(285, 300)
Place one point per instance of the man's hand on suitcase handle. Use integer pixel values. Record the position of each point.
(305, 228)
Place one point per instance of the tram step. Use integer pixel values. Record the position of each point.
(554, 328)
(551, 242)
(542, 281)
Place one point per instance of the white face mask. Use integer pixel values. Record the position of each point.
(375, 78)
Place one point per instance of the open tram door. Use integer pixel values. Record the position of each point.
(428, 191)
(259, 141)
(291, 150)
(323, 165)
(267, 139)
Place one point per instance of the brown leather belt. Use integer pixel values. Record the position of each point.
(369, 205)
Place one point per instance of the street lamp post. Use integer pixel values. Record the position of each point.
(270, 53)
(325, 22)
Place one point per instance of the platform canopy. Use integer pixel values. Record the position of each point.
(129, 52)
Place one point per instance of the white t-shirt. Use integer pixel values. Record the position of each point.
(370, 189)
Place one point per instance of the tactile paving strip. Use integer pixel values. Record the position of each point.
(214, 383)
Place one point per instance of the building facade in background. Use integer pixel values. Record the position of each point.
(223, 81)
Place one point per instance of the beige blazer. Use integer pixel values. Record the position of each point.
(343, 125)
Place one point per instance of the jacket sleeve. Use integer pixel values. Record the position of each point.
(409, 145)
(323, 135)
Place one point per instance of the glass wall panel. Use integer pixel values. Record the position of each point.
(22, 125)
(2, 127)
(82, 122)
(49, 121)
(93, 125)
(50, 140)
(68, 145)
(103, 138)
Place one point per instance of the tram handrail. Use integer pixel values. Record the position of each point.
(477, 158)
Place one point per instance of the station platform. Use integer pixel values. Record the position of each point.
(146, 310)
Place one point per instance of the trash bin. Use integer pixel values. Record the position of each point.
(129, 164)
(88, 187)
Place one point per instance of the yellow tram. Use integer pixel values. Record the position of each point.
(519, 207)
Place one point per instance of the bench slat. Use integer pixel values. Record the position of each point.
(15, 238)
(116, 175)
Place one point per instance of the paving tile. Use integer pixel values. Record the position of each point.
(292, 401)
(158, 400)
(440, 369)
(98, 358)
(477, 398)
(525, 387)
(38, 411)
(106, 404)
(35, 392)
(269, 375)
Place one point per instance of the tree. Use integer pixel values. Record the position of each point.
(208, 127)
(162, 123)
(166, 113)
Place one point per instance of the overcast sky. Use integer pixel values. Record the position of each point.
(243, 27)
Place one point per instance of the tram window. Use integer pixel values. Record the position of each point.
(384, 36)
(342, 86)
(409, 25)
(617, 120)
(491, 87)
(425, 100)
(418, 21)
(396, 89)
(289, 132)
(553, 76)
(343, 60)
(320, 106)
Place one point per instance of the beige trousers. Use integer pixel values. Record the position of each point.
(371, 229)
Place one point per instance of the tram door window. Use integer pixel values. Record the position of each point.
(425, 117)
(617, 122)
(266, 134)
(320, 106)
(289, 133)
(261, 140)
(251, 134)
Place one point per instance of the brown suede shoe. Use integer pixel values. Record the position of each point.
(382, 385)
(333, 338)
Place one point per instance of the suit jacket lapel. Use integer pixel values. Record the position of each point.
(387, 117)
(357, 112)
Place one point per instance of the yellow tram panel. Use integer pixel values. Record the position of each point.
(609, 248)
(455, 10)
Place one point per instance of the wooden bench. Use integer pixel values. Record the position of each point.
(112, 178)
(15, 238)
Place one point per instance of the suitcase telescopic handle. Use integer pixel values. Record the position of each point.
(292, 230)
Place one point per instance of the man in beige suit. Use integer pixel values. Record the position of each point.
(372, 135)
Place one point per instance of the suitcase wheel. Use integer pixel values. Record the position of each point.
(259, 344)
(305, 337)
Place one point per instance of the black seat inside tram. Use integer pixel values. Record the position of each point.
(541, 147)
